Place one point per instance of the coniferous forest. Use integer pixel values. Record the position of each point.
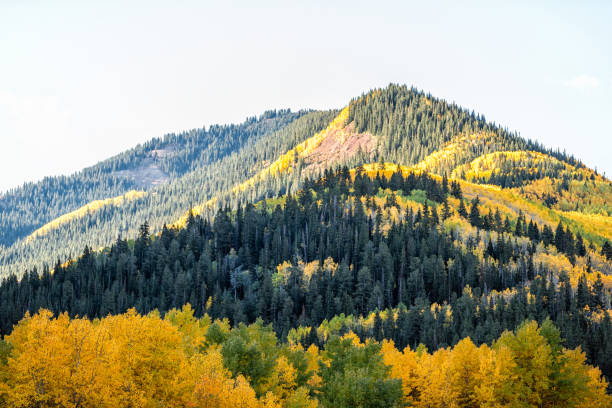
(439, 261)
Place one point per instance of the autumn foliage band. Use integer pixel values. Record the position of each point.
(133, 360)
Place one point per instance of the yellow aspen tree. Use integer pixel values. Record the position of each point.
(405, 366)
(463, 368)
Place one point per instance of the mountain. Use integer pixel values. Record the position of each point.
(266, 156)
(155, 182)
(398, 251)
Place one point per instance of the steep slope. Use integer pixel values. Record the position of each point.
(331, 146)
(278, 152)
(396, 124)
(83, 212)
(156, 162)
(207, 162)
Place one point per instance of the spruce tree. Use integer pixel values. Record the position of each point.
(462, 210)
(475, 213)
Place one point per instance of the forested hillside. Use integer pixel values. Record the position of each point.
(26, 208)
(400, 251)
(268, 156)
(195, 166)
(356, 267)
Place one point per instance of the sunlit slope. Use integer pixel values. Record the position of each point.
(532, 164)
(518, 168)
(544, 186)
(510, 202)
(287, 161)
(593, 197)
(84, 211)
(460, 149)
(215, 160)
(284, 164)
(537, 183)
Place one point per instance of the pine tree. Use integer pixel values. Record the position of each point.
(583, 295)
(456, 190)
(560, 237)
(532, 231)
(606, 250)
(579, 245)
(462, 210)
(377, 328)
(446, 211)
(475, 213)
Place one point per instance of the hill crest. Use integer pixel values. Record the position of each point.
(273, 155)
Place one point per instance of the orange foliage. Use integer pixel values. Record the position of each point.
(131, 360)
(216, 388)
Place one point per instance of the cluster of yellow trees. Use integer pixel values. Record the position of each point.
(523, 369)
(492, 163)
(587, 196)
(457, 151)
(132, 360)
(88, 208)
(597, 227)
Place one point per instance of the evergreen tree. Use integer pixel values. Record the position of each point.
(606, 250)
(462, 210)
(475, 213)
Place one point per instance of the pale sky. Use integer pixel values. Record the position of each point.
(79, 82)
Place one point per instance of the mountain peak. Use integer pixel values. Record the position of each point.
(274, 154)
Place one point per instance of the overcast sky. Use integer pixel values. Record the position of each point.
(79, 83)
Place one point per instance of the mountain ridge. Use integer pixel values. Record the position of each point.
(396, 221)
(396, 124)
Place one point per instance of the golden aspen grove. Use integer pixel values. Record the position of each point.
(133, 360)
